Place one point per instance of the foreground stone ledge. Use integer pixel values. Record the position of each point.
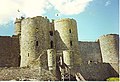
(25, 74)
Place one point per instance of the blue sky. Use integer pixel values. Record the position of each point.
(98, 18)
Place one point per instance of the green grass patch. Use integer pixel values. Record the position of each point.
(113, 79)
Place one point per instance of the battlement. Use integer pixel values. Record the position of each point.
(37, 17)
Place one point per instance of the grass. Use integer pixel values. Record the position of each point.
(113, 79)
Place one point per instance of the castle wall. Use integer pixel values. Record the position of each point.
(39, 43)
(9, 51)
(96, 72)
(90, 52)
(15, 51)
(109, 45)
(34, 38)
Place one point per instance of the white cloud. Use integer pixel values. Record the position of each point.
(107, 3)
(70, 7)
(29, 8)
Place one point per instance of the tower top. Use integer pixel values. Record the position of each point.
(65, 19)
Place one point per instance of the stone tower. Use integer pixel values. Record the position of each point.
(109, 45)
(67, 38)
(34, 38)
(67, 31)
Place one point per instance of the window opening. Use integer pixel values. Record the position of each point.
(28, 54)
(51, 33)
(70, 43)
(51, 44)
(36, 43)
(70, 30)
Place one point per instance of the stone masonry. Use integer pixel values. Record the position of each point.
(54, 46)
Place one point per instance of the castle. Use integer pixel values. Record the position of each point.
(54, 46)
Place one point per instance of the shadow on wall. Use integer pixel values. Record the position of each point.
(96, 72)
(60, 45)
(114, 72)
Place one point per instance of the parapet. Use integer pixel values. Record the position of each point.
(37, 17)
(64, 19)
(107, 35)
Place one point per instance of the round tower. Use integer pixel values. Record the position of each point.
(66, 32)
(109, 45)
(67, 36)
(34, 38)
(17, 26)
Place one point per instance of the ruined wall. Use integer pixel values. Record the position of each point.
(9, 51)
(90, 52)
(34, 38)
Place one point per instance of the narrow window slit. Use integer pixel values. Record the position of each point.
(70, 30)
(70, 43)
(51, 44)
(36, 43)
(28, 54)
